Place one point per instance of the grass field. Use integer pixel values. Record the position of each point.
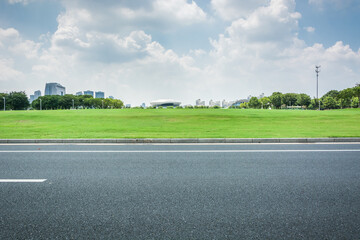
(179, 123)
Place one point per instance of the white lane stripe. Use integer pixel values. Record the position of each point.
(22, 180)
(181, 151)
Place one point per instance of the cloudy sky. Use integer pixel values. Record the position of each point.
(141, 50)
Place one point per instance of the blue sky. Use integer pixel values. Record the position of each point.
(142, 50)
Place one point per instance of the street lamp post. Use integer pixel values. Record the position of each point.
(4, 103)
(317, 70)
(73, 103)
(40, 104)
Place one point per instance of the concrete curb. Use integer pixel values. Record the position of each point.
(186, 140)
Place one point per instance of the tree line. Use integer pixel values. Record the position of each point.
(347, 98)
(14, 101)
(70, 101)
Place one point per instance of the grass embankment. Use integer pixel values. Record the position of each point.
(179, 123)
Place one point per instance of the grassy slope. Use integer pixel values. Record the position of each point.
(179, 123)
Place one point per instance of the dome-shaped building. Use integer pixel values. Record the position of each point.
(165, 103)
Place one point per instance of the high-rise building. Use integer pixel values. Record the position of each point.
(79, 93)
(111, 97)
(199, 102)
(99, 94)
(89, 92)
(214, 103)
(54, 89)
(37, 94)
(32, 98)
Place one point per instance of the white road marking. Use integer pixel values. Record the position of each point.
(22, 180)
(181, 151)
(174, 144)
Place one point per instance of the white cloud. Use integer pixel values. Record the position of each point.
(28, 48)
(234, 9)
(262, 53)
(7, 71)
(115, 47)
(266, 32)
(309, 29)
(129, 15)
(180, 9)
(10, 40)
(7, 36)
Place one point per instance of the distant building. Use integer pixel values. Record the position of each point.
(89, 92)
(54, 89)
(37, 94)
(214, 103)
(199, 102)
(143, 105)
(32, 98)
(224, 104)
(238, 102)
(165, 103)
(99, 94)
(128, 106)
(111, 97)
(79, 93)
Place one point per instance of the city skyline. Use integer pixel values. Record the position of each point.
(179, 49)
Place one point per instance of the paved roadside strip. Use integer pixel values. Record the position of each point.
(187, 140)
(22, 180)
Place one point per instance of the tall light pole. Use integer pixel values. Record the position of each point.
(40, 104)
(317, 70)
(4, 103)
(73, 103)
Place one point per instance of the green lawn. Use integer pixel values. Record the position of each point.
(179, 123)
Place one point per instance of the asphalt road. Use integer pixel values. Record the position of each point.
(256, 191)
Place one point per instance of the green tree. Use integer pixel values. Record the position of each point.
(329, 103)
(18, 101)
(315, 104)
(355, 102)
(65, 102)
(346, 96)
(332, 93)
(36, 104)
(117, 103)
(82, 99)
(275, 99)
(265, 102)
(289, 99)
(96, 103)
(254, 103)
(356, 91)
(244, 105)
(303, 100)
(2, 96)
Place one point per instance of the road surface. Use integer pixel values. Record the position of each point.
(255, 191)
